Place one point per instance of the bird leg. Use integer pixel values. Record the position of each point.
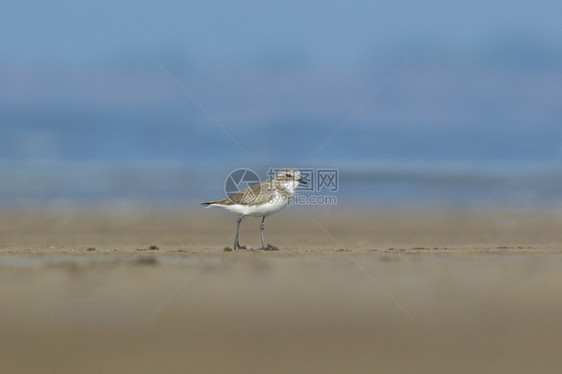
(236, 244)
(261, 232)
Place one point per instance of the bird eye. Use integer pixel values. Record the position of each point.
(288, 175)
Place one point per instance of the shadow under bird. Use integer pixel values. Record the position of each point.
(261, 199)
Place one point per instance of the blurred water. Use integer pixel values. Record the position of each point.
(406, 147)
(472, 120)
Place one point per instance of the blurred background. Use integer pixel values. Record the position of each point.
(419, 104)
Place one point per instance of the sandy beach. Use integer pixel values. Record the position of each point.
(354, 292)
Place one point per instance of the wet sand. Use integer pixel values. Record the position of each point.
(393, 292)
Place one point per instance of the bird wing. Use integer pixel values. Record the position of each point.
(255, 194)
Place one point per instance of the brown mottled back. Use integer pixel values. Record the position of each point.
(255, 194)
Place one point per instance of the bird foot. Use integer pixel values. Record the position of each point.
(270, 248)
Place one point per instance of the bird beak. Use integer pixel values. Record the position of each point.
(302, 181)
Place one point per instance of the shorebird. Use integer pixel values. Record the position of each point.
(261, 199)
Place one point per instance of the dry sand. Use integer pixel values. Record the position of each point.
(392, 292)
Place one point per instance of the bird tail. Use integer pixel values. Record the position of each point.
(209, 203)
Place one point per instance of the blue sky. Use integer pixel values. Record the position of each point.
(477, 70)
(219, 35)
(79, 86)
